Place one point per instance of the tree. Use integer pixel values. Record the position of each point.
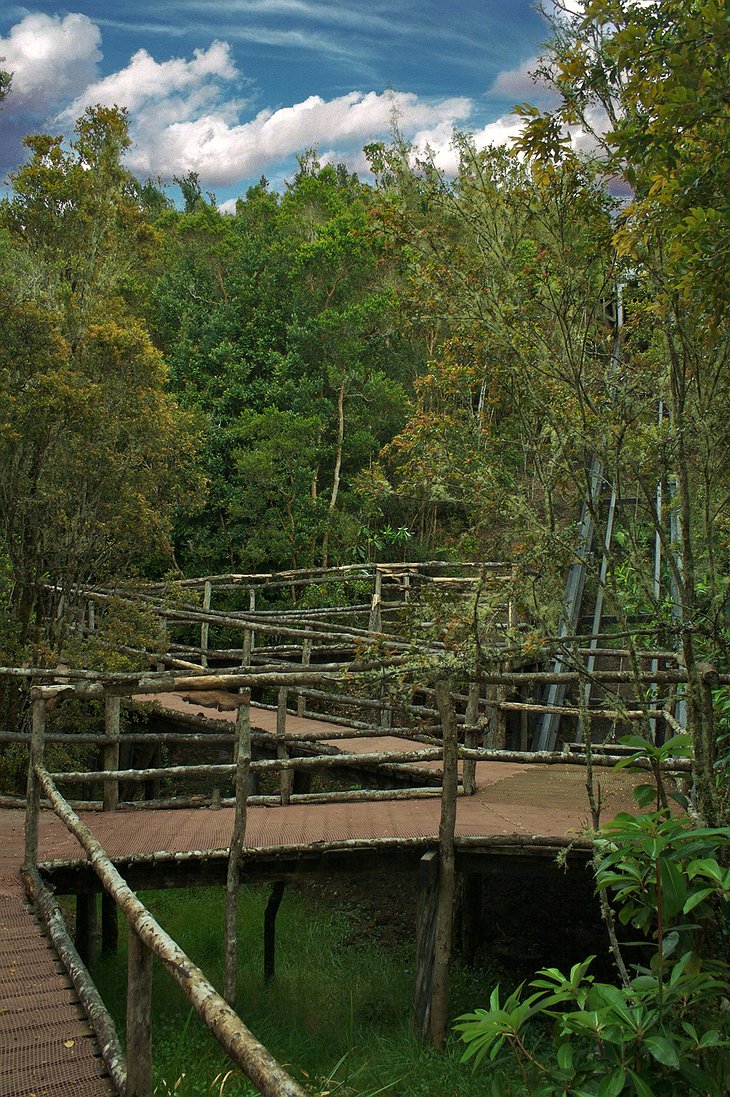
(281, 315)
(525, 260)
(95, 454)
(656, 73)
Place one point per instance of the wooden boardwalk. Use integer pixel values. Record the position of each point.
(45, 1044)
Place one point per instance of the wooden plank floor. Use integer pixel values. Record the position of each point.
(45, 1044)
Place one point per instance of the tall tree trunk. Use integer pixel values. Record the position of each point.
(336, 475)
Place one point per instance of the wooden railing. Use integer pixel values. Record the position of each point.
(451, 729)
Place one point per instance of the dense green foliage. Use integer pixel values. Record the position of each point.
(665, 1028)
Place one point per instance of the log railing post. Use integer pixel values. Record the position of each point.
(33, 796)
(428, 875)
(376, 617)
(205, 627)
(512, 618)
(165, 645)
(287, 775)
(306, 659)
(447, 868)
(272, 909)
(235, 855)
(112, 710)
(252, 609)
(139, 1018)
(471, 739)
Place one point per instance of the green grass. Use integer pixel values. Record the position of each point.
(337, 1014)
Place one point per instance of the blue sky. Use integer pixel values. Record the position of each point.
(233, 89)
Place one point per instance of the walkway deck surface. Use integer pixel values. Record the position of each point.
(45, 1044)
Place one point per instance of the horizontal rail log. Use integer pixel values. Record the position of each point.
(99, 1017)
(225, 770)
(267, 1075)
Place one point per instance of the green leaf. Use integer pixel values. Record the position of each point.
(696, 898)
(674, 888)
(613, 1084)
(663, 1050)
(669, 944)
(642, 1089)
(565, 1056)
(644, 795)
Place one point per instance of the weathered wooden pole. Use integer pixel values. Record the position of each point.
(471, 739)
(112, 709)
(266, 1074)
(428, 877)
(447, 868)
(282, 752)
(33, 798)
(139, 1018)
(235, 856)
(375, 623)
(252, 609)
(306, 659)
(205, 627)
(272, 909)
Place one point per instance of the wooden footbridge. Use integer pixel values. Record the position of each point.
(254, 788)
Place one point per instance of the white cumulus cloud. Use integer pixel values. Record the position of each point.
(189, 114)
(52, 59)
(145, 81)
(223, 151)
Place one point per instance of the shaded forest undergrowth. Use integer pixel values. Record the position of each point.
(337, 1013)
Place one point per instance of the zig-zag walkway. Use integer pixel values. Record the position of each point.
(46, 1046)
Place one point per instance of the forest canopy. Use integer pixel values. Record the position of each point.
(417, 366)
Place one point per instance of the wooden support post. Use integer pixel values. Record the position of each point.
(282, 752)
(428, 874)
(139, 1018)
(109, 926)
(471, 739)
(471, 915)
(112, 708)
(160, 665)
(447, 868)
(497, 718)
(86, 927)
(524, 721)
(272, 909)
(33, 798)
(306, 659)
(376, 618)
(246, 654)
(512, 619)
(500, 730)
(205, 627)
(235, 855)
(386, 712)
(252, 609)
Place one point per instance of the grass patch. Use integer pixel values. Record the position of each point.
(337, 1013)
